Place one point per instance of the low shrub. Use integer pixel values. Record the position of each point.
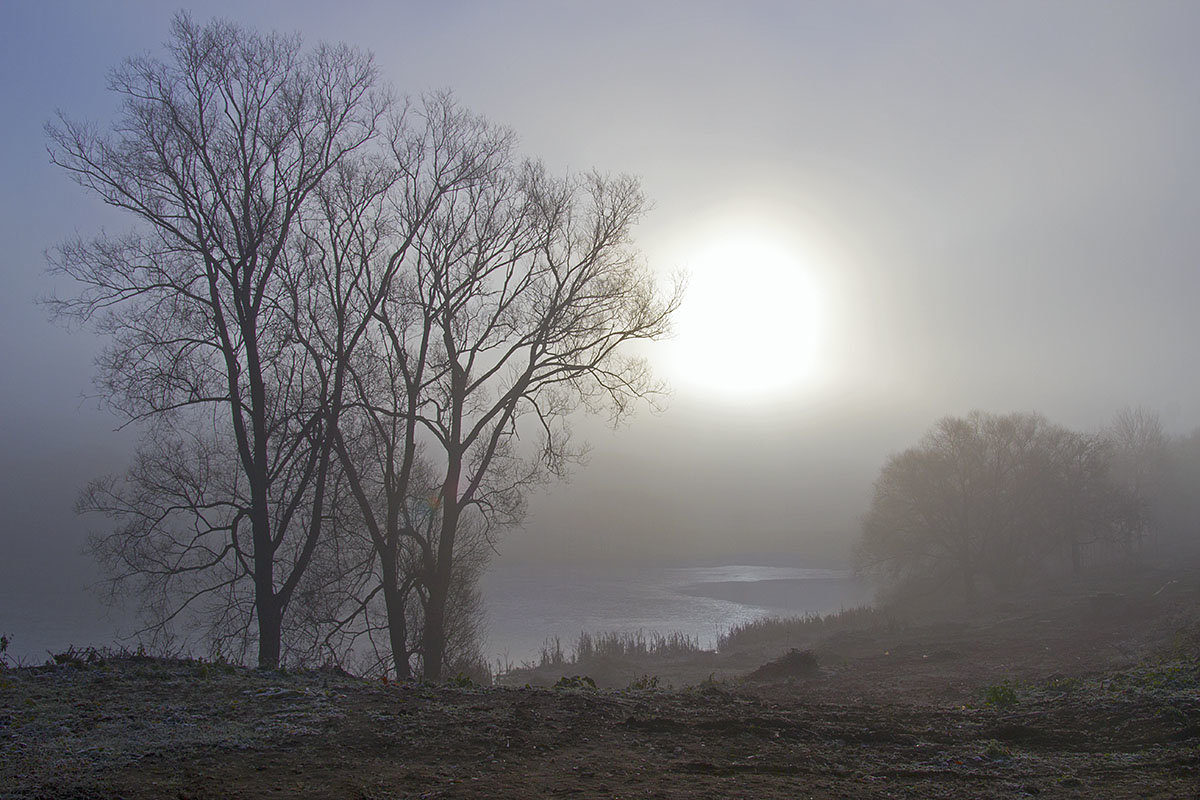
(645, 682)
(1000, 695)
(792, 664)
(460, 680)
(772, 630)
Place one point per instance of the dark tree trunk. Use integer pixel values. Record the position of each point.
(394, 599)
(435, 628)
(440, 580)
(270, 629)
(439, 599)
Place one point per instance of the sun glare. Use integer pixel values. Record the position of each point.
(750, 322)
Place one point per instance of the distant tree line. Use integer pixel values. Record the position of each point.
(354, 331)
(989, 503)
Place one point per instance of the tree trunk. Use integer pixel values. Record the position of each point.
(439, 584)
(397, 627)
(267, 605)
(270, 628)
(434, 639)
(439, 595)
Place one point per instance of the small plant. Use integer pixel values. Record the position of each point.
(471, 671)
(576, 682)
(639, 644)
(995, 751)
(77, 657)
(461, 680)
(5, 640)
(710, 684)
(1063, 683)
(645, 682)
(1000, 695)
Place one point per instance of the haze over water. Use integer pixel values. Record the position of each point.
(529, 604)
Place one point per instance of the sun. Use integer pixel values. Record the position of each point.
(750, 323)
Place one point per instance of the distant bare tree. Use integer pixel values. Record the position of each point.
(1081, 505)
(992, 497)
(1175, 505)
(216, 155)
(1139, 458)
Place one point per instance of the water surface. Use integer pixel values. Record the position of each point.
(529, 604)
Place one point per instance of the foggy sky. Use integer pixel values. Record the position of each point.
(1011, 191)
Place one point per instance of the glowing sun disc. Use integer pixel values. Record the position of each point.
(748, 327)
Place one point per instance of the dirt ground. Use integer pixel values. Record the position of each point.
(1081, 695)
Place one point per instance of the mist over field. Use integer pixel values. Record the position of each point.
(673, 399)
(885, 216)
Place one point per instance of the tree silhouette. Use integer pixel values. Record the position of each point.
(333, 307)
(992, 498)
(215, 155)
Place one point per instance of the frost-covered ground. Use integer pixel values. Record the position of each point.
(1080, 696)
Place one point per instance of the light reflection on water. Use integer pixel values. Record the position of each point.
(525, 606)
(528, 604)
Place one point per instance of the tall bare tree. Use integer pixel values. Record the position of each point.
(520, 290)
(358, 248)
(531, 288)
(215, 155)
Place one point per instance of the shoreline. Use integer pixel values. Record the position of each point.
(798, 596)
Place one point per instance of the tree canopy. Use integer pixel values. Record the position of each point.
(333, 306)
(991, 501)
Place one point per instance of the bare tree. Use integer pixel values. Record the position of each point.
(1176, 503)
(530, 287)
(215, 156)
(1139, 461)
(358, 245)
(1082, 505)
(992, 497)
(1137, 436)
(519, 291)
(303, 319)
